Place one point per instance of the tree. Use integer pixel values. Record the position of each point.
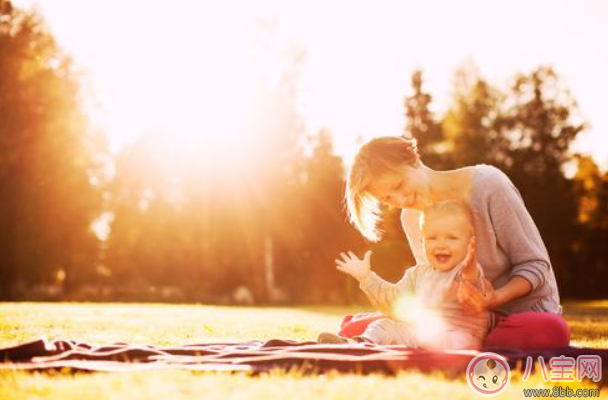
(48, 160)
(322, 221)
(589, 258)
(540, 121)
(470, 123)
(421, 124)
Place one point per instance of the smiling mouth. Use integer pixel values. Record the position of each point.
(485, 386)
(442, 258)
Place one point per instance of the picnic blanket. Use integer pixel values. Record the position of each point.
(259, 356)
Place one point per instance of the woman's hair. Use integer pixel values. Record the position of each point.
(375, 159)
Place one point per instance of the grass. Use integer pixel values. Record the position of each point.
(163, 324)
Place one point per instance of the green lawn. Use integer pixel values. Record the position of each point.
(179, 324)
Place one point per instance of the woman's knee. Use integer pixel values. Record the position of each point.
(530, 330)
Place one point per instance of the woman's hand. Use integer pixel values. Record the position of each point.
(352, 265)
(472, 299)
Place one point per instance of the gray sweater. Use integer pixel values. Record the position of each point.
(508, 243)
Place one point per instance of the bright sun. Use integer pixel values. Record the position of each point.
(192, 78)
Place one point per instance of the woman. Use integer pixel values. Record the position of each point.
(509, 247)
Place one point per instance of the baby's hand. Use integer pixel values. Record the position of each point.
(352, 265)
(469, 263)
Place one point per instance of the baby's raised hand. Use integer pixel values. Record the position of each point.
(352, 265)
(469, 263)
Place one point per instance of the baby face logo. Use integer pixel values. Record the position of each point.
(488, 374)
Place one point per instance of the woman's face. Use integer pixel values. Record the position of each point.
(407, 189)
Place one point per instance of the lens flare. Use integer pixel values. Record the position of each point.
(427, 322)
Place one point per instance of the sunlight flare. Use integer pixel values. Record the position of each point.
(427, 323)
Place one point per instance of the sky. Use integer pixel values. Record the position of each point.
(358, 62)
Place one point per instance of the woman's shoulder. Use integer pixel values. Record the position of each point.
(490, 179)
(486, 171)
(491, 186)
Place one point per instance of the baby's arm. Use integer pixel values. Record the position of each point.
(382, 294)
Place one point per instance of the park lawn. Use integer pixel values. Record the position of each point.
(164, 324)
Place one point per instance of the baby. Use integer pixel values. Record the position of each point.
(422, 309)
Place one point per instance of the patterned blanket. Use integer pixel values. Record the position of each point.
(259, 356)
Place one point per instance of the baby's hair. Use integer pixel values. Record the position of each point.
(450, 207)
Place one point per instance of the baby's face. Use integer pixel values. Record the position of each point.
(446, 238)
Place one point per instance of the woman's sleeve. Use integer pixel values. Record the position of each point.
(517, 234)
(383, 294)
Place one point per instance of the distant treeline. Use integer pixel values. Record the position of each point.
(260, 220)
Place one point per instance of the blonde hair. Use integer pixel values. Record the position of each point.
(377, 158)
(451, 207)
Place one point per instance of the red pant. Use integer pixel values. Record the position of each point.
(526, 330)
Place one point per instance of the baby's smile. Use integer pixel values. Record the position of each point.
(443, 257)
